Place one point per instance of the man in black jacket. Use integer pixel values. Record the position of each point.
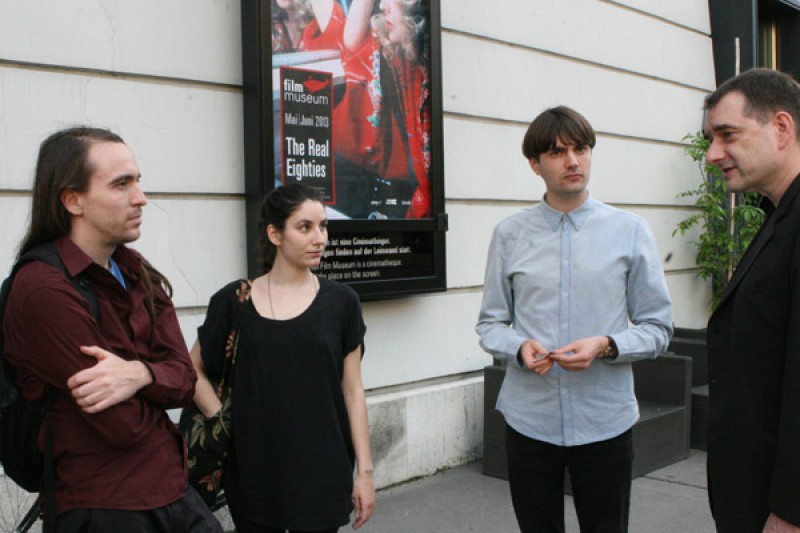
(753, 123)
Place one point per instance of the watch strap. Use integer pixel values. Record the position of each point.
(611, 352)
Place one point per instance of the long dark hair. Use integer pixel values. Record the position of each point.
(276, 209)
(62, 164)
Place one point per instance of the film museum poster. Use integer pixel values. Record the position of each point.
(352, 119)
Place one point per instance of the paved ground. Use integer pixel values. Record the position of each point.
(462, 500)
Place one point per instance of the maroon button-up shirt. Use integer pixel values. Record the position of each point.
(129, 456)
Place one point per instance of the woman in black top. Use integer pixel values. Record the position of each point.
(299, 409)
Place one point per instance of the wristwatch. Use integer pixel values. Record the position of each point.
(611, 352)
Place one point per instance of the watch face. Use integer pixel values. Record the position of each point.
(611, 350)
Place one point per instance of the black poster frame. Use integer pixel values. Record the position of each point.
(423, 269)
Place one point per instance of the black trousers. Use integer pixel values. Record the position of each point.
(600, 474)
(187, 515)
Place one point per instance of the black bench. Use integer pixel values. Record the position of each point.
(692, 343)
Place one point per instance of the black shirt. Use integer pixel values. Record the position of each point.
(292, 460)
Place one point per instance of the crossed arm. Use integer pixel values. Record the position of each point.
(111, 381)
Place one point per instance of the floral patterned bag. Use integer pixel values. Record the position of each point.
(209, 438)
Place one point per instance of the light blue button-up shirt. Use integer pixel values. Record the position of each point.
(558, 277)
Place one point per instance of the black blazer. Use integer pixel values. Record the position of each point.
(754, 380)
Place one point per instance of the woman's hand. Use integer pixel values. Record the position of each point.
(363, 498)
(356, 403)
(778, 525)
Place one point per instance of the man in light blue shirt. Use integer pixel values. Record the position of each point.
(574, 292)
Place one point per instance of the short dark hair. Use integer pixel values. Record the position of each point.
(554, 124)
(766, 92)
(278, 206)
(63, 163)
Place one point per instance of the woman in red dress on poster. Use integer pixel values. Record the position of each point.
(383, 121)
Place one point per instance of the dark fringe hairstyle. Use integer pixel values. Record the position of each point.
(557, 123)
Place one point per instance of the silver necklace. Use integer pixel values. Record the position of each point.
(269, 293)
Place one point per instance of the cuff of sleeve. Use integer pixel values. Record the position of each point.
(612, 352)
(149, 391)
(621, 355)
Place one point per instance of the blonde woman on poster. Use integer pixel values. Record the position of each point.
(383, 121)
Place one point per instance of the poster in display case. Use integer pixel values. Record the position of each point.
(347, 100)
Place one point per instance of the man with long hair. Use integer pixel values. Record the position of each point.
(119, 460)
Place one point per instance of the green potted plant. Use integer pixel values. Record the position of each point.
(727, 222)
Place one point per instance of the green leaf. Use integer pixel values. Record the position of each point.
(726, 230)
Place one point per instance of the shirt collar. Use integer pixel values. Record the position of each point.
(77, 261)
(577, 217)
(74, 258)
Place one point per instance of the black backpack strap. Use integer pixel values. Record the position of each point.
(49, 512)
(7, 383)
(47, 253)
